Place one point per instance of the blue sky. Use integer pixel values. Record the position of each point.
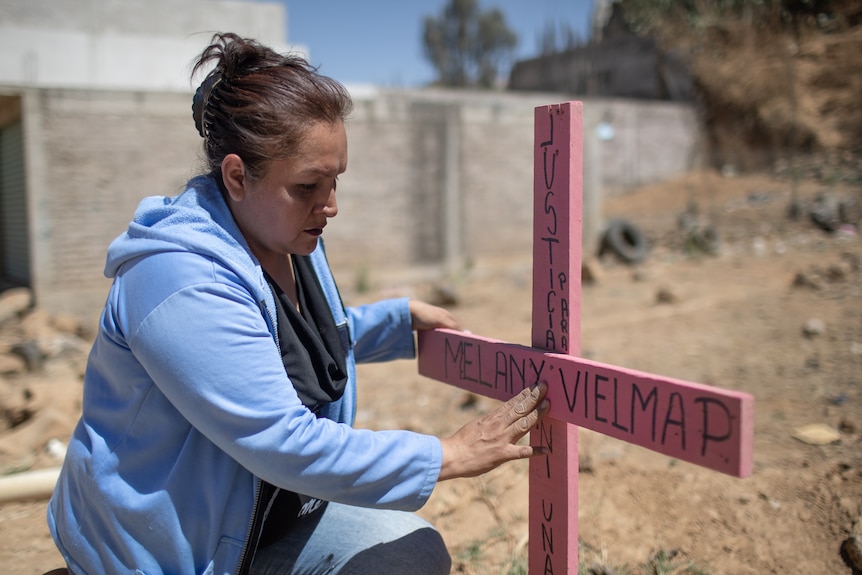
(380, 41)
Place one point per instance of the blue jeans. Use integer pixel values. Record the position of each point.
(346, 540)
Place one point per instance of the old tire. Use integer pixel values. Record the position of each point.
(626, 241)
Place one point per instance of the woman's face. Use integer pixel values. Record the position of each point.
(285, 211)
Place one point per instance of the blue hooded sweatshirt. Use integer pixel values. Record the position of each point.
(187, 406)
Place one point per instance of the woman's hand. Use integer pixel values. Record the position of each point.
(426, 316)
(490, 441)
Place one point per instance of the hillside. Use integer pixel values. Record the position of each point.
(774, 89)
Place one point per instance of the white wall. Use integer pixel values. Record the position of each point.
(140, 45)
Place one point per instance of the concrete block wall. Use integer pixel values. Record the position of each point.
(393, 194)
(497, 176)
(392, 200)
(92, 155)
(388, 198)
(652, 141)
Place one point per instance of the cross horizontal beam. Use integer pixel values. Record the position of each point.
(704, 425)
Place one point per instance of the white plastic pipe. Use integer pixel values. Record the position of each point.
(28, 484)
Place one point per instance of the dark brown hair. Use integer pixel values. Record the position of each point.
(258, 104)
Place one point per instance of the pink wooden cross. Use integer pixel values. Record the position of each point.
(705, 425)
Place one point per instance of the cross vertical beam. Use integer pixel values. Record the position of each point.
(557, 224)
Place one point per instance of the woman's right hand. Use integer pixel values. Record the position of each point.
(487, 442)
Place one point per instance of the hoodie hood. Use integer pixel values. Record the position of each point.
(197, 221)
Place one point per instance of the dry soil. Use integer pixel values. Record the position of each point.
(776, 312)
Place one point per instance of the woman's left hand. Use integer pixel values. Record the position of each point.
(426, 316)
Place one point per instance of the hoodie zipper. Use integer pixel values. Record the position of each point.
(253, 532)
(242, 568)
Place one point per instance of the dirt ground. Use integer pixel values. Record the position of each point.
(776, 312)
